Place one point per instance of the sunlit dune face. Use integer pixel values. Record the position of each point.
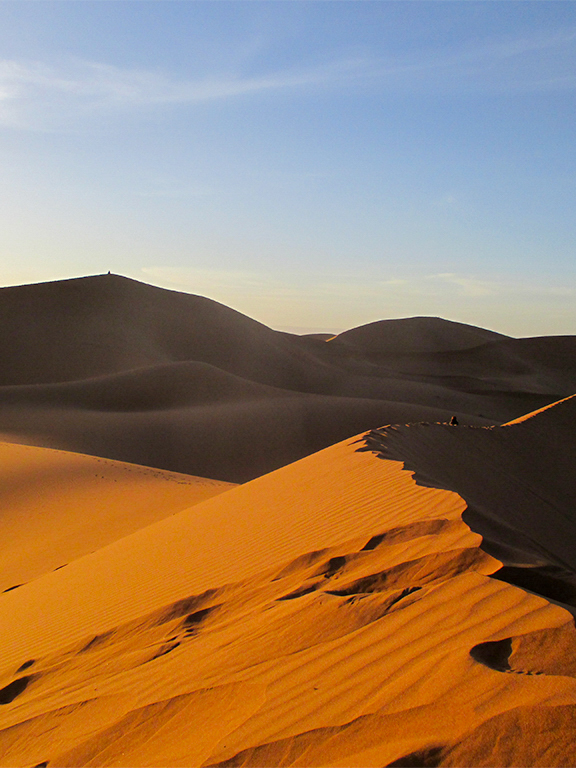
(334, 612)
(58, 506)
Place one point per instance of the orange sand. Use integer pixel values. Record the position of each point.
(58, 506)
(331, 613)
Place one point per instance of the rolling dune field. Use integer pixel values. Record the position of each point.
(111, 367)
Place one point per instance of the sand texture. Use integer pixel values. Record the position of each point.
(57, 506)
(336, 612)
(112, 367)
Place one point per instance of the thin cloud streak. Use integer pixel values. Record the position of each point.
(537, 62)
(36, 95)
(32, 92)
(244, 282)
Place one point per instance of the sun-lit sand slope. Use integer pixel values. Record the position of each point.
(57, 506)
(332, 613)
(108, 366)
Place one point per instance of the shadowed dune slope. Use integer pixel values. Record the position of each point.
(518, 482)
(332, 613)
(58, 506)
(537, 365)
(113, 367)
(90, 326)
(192, 416)
(414, 335)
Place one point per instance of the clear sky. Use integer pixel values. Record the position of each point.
(315, 165)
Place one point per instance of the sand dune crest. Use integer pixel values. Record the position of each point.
(59, 506)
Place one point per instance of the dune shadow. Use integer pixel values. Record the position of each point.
(299, 592)
(188, 605)
(423, 758)
(192, 622)
(163, 651)
(14, 689)
(493, 654)
(332, 566)
(26, 665)
(539, 581)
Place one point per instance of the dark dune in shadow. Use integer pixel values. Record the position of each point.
(205, 421)
(517, 480)
(414, 335)
(109, 366)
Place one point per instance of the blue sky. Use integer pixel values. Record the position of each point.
(315, 165)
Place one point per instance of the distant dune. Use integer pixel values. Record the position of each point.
(414, 336)
(112, 367)
(402, 598)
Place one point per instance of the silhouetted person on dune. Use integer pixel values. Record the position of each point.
(453, 421)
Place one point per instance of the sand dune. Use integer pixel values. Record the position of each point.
(59, 506)
(537, 365)
(534, 536)
(414, 335)
(75, 329)
(112, 367)
(336, 612)
(191, 416)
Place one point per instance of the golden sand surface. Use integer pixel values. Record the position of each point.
(57, 506)
(336, 612)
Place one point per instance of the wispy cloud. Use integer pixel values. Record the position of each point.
(466, 286)
(531, 62)
(219, 282)
(38, 95)
(479, 289)
(251, 282)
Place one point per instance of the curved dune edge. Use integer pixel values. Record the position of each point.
(517, 481)
(58, 506)
(195, 419)
(332, 613)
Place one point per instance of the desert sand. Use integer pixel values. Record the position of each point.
(384, 589)
(111, 367)
(363, 606)
(57, 506)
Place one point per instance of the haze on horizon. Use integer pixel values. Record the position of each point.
(314, 165)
